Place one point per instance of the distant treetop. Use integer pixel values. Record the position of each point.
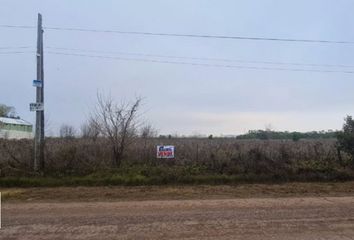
(7, 111)
(265, 135)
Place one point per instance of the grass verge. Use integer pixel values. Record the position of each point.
(176, 192)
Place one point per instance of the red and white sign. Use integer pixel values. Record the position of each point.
(165, 152)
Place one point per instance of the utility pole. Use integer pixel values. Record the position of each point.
(39, 132)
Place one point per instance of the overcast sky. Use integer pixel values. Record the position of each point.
(185, 99)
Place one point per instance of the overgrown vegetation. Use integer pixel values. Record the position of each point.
(84, 161)
(87, 160)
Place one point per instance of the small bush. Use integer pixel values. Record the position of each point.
(346, 138)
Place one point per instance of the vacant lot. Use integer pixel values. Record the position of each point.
(250, 211)
(197, 161)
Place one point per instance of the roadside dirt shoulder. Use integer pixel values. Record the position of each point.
(140, 193)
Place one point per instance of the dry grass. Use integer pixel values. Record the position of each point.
(219, 156)
(120, 193)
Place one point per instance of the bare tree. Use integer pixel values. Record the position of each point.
(7, 111)
(148, 131)
(67, 131)
(90, 130)
(116, 122)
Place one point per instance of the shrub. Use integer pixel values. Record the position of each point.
(346, 137)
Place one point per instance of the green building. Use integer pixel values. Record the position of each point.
(15, 128)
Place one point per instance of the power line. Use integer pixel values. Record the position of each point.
(184, 35)
(16, 52)
(204, 58)
(15, 47)
(201, 36)
(16, 26)
(201, 64)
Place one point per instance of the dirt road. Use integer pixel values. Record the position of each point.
(259, 218)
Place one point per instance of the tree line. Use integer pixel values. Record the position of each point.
(285, 135)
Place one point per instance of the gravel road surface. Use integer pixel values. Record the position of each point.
(253, 218)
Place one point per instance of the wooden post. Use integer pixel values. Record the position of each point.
(39, 131)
